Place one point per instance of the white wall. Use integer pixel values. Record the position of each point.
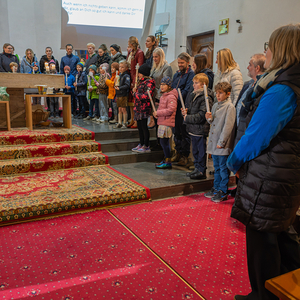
(259, 18)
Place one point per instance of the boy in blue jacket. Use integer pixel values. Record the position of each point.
(69, 84)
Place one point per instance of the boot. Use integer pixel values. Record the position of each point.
(183, 161)
(175, 157)
(165, 164)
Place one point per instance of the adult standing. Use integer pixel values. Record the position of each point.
(199, 66)
(268, 194)
(116, 55)
(103, 56)
(160, 69)
(92, 56)
(229, 71)
(135, 56)
(6, 57)
(70, 60)
(28, 59)
(183, 80)
(151, 44)
(46, 59)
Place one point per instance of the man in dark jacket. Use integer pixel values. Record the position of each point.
(46, 58)
(183, 79)
(7, 57)
(70, 60)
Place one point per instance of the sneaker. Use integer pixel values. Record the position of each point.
(94, 119)
(123, 126)
(219, 197)
(147, 149)
(113, 121)
(164, 165)
(135, 149)
(118, 126)
(141, 150)
(211, 193)
(87, 118)
(156, 164)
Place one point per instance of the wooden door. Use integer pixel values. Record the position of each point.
(203, 43)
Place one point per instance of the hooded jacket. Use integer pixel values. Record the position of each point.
(210, 74)
(81, 84)
(268, 193)
(44, 59)
(235, 78)
(195, 120)
(166, 111)
(25, 66)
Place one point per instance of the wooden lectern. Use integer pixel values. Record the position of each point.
(16, 83)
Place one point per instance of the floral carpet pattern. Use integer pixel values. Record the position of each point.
(57, 171)
(84, 256)
(197, 238)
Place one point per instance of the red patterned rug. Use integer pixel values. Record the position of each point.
(197, 238)
(38, 195)
(89, 256)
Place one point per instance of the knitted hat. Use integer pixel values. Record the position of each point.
(116, 47)
(81, 65)
(144, 70)
(67, 68)
(105, 65)
(166, 80)
(93, 67)
(52, 62)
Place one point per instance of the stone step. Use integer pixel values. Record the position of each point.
(117, 134)
(123, 144)
(129, 157)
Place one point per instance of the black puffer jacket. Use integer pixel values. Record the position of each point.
(268, 193)
(105, 58)
(195, 120)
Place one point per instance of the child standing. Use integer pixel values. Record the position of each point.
(69, 87)
(103, 91)
(220, 140)
(112, 92)
(80, 92)
(165, 115)
(92, 86)
(142, 106)
(196, 124)
(122, 92)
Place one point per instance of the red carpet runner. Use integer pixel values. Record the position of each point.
(89, 256)
(197, 238)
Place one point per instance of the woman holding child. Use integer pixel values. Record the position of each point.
(266, 160)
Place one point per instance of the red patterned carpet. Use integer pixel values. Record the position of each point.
(88, 256)
(197, 238)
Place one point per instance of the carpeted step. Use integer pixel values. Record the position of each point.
(42, 150)
(24, 136)
(18, 166)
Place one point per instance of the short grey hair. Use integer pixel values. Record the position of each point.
(184, 56)
(259, 60)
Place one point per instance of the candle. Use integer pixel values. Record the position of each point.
(89, 79)
(46, 65)
(53, 66)
(14, 69)
(66, 79)
(33, 72)
(76, 79)
(206, 98)
(47, 69)
(153, 106)
(181, 99)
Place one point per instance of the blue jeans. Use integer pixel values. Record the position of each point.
(221, 173)
(94, 102)
(199, 152)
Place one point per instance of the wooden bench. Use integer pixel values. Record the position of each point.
(8, 125)
(286, 286)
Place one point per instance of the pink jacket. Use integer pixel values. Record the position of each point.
(167, 108)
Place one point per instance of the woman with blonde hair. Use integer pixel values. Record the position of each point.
(28, 59)
(160, 69)
(135, 56)
(229, 71)
(266, 159)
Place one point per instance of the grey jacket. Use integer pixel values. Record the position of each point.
(158, 75)
(222, 128)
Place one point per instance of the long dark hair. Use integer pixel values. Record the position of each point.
(201, 61)
(150, 51)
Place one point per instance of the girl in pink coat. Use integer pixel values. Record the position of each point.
(165, 115)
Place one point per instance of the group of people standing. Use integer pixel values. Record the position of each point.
(251, 128)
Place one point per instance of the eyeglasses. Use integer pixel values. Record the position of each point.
(266, 46)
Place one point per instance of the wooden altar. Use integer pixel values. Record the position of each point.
(16, 83)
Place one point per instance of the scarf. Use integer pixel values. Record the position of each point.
(262, 84)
